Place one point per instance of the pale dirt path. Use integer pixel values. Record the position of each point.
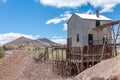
(21, 66)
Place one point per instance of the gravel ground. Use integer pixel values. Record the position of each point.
(105, 70)
(21, 66)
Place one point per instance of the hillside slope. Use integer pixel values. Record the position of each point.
(107, 69)
(22, 41)
(49, 41)
(21, 66)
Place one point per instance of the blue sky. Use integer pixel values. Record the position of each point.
(47, 18)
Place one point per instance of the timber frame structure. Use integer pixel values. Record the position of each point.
(80, 58)
(69, 61)
(115, 29)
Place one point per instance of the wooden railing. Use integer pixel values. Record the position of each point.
(90, 53)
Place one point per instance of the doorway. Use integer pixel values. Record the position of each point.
(69, 41)
(90, 39)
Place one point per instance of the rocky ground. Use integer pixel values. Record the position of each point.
(105, 70)
(21, 66)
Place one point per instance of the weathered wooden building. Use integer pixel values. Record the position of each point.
(86, 45)
(91, 39)
(80, 29)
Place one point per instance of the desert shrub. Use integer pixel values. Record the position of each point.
(58, 55)
(38, 49)
(8, 47)
(118, 53)
(1, 52)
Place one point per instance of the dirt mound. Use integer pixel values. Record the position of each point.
(105, 70)
(21, 66)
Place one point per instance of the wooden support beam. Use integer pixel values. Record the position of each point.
(52, 53)
(81, 59)
(107, 25)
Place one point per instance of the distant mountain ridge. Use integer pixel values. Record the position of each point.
(23, 41)
(49, 41)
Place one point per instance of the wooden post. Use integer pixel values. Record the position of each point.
(103, 49)
(52, 59)
(82, 58)
(87, 64)
(78, 69)
(118, 34)
(44, 54)
(114, 42)
(62, 54)
(52, 53)
(56, 54)
(62, 68)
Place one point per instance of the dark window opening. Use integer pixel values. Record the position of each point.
(69, 41)
(97, 23)
(90, 39)
(104, 40)
(78, 38)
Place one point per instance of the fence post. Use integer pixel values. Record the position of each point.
(82, 58)
(52, 53)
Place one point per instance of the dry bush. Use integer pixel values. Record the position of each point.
(1, 52)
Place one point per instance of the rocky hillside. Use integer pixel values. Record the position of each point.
(21, 66)
(105, 70)
(48, 41)
(22, 41)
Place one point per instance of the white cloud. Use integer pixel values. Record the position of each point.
(63, 3)
(7, 37)
(106, 5)
(55, 20)
(89, 11)
(59, 40)
(3, 1)
(65, 27)
(57, 37)
(62, 17)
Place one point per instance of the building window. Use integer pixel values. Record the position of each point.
(104, 40)
(97, 23)
(77, 37)
(90, 39)
(69, 41)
